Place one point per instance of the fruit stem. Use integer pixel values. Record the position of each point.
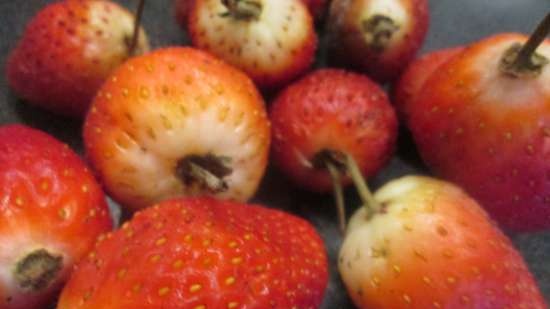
(137, 23)
(338, 195)
(362, 188)
(208, 171)
(242, 9)
(522, 60)
(37, 270)
(379, 30)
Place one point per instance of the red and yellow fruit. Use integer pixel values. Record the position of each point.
(177, 122)
(377, 37)
(51, 212)
(423, 243)
(68, 50)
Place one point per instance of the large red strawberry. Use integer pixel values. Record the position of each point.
(415, 76)
(175, 122)
(68, 50)
(273, 41)
(483, 121)
(379, 37)
(202, 253)
(327, 115)
(423, 243)
(51, 211)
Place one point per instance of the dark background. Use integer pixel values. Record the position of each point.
(453, 22)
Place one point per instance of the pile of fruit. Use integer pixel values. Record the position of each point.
(181, 137)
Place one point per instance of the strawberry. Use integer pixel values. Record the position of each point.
(415, 76)
(68, 50)
(273, 41)
(491, 118)
(331, 111)
(325, 116)
(52, 210)
(182, 7)
(203, 253)
(379, 37)
(176, 122)
(423, 243)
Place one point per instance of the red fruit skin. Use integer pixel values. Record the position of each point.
(415, 76)
(67, 51)
(298, 63)
(317, 8)
(336, 110)
(489, 133)
(349, 49)
(188, 253)
(49, 200)
(182, 9)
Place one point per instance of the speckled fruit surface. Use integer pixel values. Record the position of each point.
(452, 23)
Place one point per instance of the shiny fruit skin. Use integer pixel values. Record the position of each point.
(415, 76)
(203, 253)
(67, 51)
(171, 104)
(49, 201)
(355, 46)
(432, 246)
(334, 110)
(488, 132)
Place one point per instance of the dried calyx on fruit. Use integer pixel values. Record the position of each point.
(522, 60)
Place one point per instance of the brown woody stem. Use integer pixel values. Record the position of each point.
(207, 171)
(243, 9)
(137, 23)
(522, 60)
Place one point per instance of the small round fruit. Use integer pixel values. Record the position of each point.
(378, 37)
(51, 212)
(67, 52)
(273, 41)
(326, 115)
(177, 122)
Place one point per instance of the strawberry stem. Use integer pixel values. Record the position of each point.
(207, 171)
(137, 23)
(37, 270)
(338, 195)
(522, 60)
(379, 30)
(242, 9)
(362, 188)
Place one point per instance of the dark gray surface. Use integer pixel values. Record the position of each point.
(453, 22)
